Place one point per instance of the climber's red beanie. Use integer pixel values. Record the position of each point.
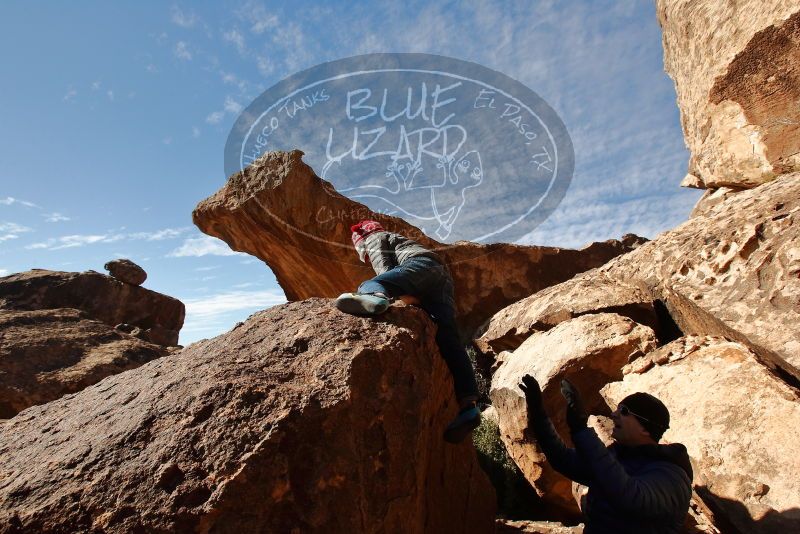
(363, 229)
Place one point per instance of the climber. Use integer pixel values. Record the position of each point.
(406, 270)
(635, 485)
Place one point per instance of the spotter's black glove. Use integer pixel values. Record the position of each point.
(533, 397)
(576, 413)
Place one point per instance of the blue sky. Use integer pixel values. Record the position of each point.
(114, 120)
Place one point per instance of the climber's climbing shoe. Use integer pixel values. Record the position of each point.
(362, 304)
(465, 422)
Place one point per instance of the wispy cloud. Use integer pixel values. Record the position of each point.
(259, 18)
(181, 51)
(237, 38)
(598, 64)
(81, 240)
(160, 235)
(67, 241)
(56, 217)
(212, 314)
(231, 79)
(3, 272)
(70, 95)
(203, 246)
(222, 303)
(10, 230)
(8, 201)
(232, 106)
(264, 65)
(215, 117)
(195, 132)
(184, 19)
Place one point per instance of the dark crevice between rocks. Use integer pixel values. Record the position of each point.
(483, 372)
(693, 320)
(667, 330)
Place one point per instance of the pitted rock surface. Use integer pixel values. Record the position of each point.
(732, 271)
(592, 293)
(301, 419)
(278, 210)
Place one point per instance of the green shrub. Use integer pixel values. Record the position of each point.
(516, 499)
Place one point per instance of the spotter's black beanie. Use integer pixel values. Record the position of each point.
(650, 408)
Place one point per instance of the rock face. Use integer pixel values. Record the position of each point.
(736, 67)
(45, 354)
(102, 297)
(126, 271)
(301, 419)
(732, 271)
(278, 210)
(590, 351)
(711, 198)
(506, 526)
(58, 335)
(738, 422)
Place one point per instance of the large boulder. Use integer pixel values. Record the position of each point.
(280, 211)
(736, 67)
(126, 271)
(590, 351)
(102, 297)
(301, 419)
(45, 354)
(593, 292)
(739, 423)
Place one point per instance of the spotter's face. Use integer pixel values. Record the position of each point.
(628, 430)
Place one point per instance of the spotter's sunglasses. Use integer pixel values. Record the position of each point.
(624, 410)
